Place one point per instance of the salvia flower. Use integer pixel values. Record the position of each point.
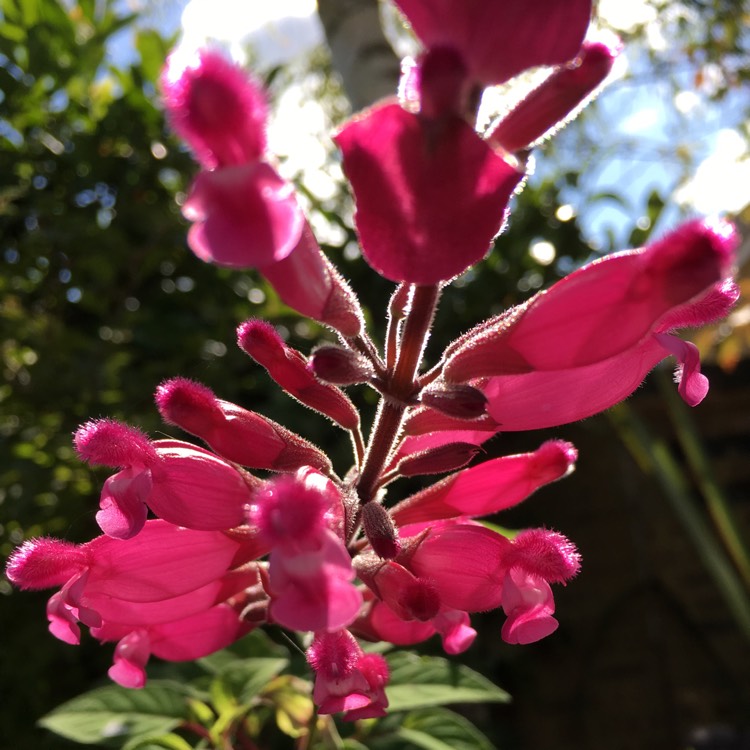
(338, 555)
(588, 342)
(310, 571)
(183, 484)
(347, 679)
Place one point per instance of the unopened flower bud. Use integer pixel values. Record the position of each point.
(461, 401)
(235, 433)
(556, 100)
(339, 366)
(380, 530)
(438, 460)
(290, 370)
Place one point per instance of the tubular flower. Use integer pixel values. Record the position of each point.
(310, 571)
(336, 554)
(244, 214)
(185, 485)
(589, 341)
(166, 581)
(346, 679)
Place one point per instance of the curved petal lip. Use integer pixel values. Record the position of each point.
(245, 216)
(430, 195)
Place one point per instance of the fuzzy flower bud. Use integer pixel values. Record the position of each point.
(235, 433)
(339, 366)
(289, 369)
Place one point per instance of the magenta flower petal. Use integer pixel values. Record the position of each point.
(161, 562)
(489, 487)
(195, 488)
(116, 611)
(455, 628)
(199, 635)
(245, 216)
(131, 655)
(430, 195)
(123, 508)
(498, 40)
(62, 622)
(464, 563)
(529, 605)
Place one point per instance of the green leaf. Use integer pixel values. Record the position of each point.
(12, 33)
(111, 713)
(245, 679)
(423, 681)
(255, 644)
(30, 11)
(153, 50)
(432, 729)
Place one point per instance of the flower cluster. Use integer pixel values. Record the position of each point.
(196, 550)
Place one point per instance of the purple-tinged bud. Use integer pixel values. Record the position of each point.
(339, 366)
(438, 460)
(380, 530)
(425, 421)
(558, 99)
(235, 433)
(290, 370)
(461, 401)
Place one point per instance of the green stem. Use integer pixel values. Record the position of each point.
(718, 506)
(654, 458)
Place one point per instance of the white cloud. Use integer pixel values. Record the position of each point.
(721, 183)
(278, 31)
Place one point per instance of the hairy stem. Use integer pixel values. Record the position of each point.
(400, 388)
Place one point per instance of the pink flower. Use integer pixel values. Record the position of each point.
(430, 195)
(246, 215)
(346, 679)
(310, 574)
(588, 342)
(185, 485)
(498, 40)
(490, 487)
(167, 581)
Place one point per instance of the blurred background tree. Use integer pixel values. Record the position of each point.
(100, 299)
